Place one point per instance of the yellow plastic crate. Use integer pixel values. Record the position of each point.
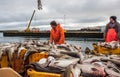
(103, 50)
(37, 56)
(116, 51)
(4, 62)
(33, 73)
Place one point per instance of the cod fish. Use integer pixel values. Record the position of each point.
(19, 50)
(43, 49)
(87, 50)
(75, 70)
(72, 54)
(38, 67)
(28, 52)
(117, 62)
(113, 66)
(65, 62)
(95, 59)
(111, 73)
(91, 70)
(62, 47)
(4, 50)
(10, 52)
(1, 52)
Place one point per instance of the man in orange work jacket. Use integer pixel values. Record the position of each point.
(57, 33)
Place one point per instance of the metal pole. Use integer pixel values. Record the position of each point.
(64, 19)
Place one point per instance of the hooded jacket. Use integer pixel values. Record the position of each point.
(57, 35)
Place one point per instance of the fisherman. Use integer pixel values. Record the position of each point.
(57, 33)
(112, 30)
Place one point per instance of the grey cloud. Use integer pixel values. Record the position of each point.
(76, 11)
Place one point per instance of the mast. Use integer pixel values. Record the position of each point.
(28, 27)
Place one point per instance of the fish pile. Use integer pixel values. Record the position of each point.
(98, 66)
(110, 45)
(65, 58)
(35, 46)
(89, 66)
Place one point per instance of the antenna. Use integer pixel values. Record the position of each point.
(64, 20)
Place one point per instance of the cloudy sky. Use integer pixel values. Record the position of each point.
(15, 14)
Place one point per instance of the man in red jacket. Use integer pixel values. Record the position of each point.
(112, 32)
(57, 33)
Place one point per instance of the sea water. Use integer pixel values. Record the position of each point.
(82, 42)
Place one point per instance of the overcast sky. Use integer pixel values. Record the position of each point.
(78, 13)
